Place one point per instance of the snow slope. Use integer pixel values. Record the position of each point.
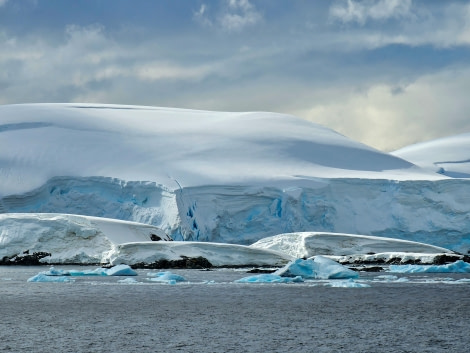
(308, 244)
(176, 147)
(449, 155)
(219, 177)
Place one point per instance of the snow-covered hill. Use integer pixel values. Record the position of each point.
(220, 177)
(449, 155)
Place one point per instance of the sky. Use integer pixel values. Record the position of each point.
(387, 73)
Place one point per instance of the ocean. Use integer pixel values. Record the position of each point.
(211, 313)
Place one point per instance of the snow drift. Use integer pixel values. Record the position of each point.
(220, 177)
(449, 155)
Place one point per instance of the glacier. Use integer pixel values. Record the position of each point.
(217, 176)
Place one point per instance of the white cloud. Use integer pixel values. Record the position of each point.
(234, 16)
(238, 15)
(201, 16)
(444, 25)
(361, 11)
(388, 118)
(3, 2)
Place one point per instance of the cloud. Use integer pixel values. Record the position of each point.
(361, 11)
(441, 24)
(201, 16)
(239, 14)
(234, 16)
(389, 117)
(3, 2)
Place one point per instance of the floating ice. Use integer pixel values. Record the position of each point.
(318, 268)
(41, 277)
(455, 267)
(166, 277)
(128, 281)
(121, 270)
(55, 272)
(269, 278)
(347, 284)
(96, 272)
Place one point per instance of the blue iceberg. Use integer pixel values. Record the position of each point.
(120, 270)
(455, 267)
(166, 277)
(318, 268)
(41, 277)
(269, 278)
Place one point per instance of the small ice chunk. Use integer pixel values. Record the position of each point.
(128, 281)
(269, 278)
(41, 277)
(121, 270)
(318, 268)
(455, 267)
(347, 284)
(166, 277)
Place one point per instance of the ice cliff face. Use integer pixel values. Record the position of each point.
(435, 212)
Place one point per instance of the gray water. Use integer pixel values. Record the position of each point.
(99, 314)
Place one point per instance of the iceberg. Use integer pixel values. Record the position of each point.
(120, 270)
(455, 267)
(269, 278)
(166, 277)
(41, 277)
(319, 267)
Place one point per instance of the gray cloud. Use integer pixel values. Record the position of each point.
(362, 11)
(332, 73)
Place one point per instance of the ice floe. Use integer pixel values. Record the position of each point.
(317, 268)
(455, 267)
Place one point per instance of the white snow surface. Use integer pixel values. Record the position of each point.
(69, 238)
(308, 244)
(449, 155)
(217, 254)
(219, 176)
(177, 147)
(89, 240)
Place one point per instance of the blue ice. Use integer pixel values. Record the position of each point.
(166, 277)
(318, 268)
(455, 267)
(269, 278)
(41, 277)
(120, 270)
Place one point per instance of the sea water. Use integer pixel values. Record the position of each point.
(210, 312)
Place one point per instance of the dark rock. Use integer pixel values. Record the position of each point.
(24, 259)
(261, 270)
(154, 237)
(445, 259)
(369, 269)
(183, 263)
